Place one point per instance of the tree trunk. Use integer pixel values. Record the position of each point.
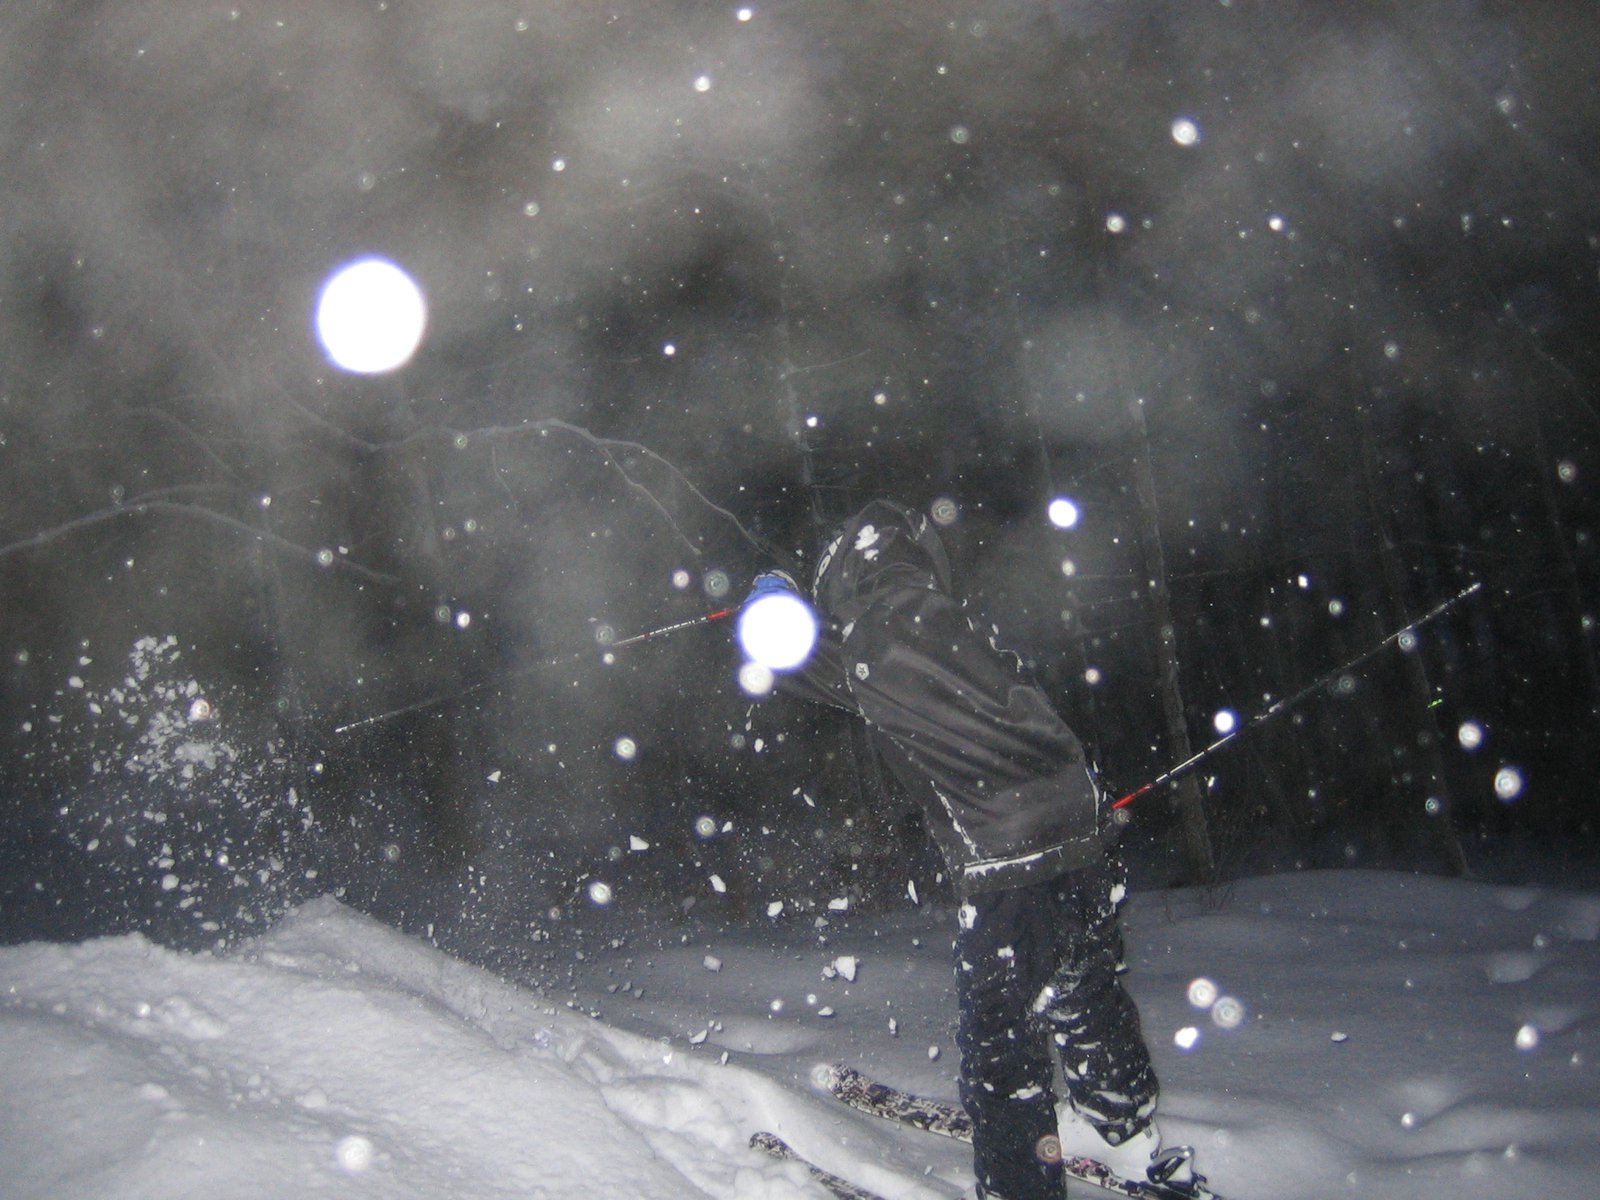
(1187, 803)
(445, 741)
(288, 707)
(1435, 816)
(1576, 600)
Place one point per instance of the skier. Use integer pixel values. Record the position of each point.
(1010, 800)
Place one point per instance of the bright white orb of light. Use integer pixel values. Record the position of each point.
(1203, 993)
(1186, 1038)
(600, 893)
(1226, 721)
(1470, 735)
(1063, 513)
(1508, 783)
(1185, 132)
(1227, 1013)
(757, 680)
(354, 1153)
(778, 631)
(370, 317)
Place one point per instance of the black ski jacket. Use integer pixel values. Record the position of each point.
(1004, 785)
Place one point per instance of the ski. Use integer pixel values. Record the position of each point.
(771, 1143)
(861, 1091)
(868, 1095)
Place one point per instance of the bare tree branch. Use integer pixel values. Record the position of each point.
(146, 505)
(606, 446)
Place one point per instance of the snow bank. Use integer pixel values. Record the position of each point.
(1347, 1034)
(336, 1055)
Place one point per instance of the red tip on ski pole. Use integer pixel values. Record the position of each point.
(1133, 795)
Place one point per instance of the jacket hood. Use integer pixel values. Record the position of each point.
(883, 546)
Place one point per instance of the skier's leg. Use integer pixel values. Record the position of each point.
(1006, 1066)
(1092, 1019)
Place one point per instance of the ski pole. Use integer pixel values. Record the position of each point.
(435, 701)
(1288, 702)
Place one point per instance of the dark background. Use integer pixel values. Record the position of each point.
(1306, 377)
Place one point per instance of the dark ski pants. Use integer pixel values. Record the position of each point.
(1038, 971)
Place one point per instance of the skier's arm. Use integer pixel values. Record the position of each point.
(818, 679)
(965, 711)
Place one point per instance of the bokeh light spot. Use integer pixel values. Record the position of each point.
(1227, 1013)
(354, 1154)
(756, 680)
(1508, 783)
(370, 317)
(1064, 513)
(778, 631)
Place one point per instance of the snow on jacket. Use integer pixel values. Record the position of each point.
(1004, 785)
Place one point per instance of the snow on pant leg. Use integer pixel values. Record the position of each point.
(1003, 959)
(1104, 1057)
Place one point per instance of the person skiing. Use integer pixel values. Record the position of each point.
(1010, 799)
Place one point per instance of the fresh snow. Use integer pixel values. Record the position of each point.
(1350, 1034)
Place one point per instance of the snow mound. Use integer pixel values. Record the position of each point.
(336, 1054)
(1318, 1036)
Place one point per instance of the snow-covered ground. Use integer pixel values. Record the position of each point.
(1322, 1035)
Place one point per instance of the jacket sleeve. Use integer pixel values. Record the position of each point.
(821, 680)
(967, 716)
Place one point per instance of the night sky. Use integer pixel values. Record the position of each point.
(1295, 302)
